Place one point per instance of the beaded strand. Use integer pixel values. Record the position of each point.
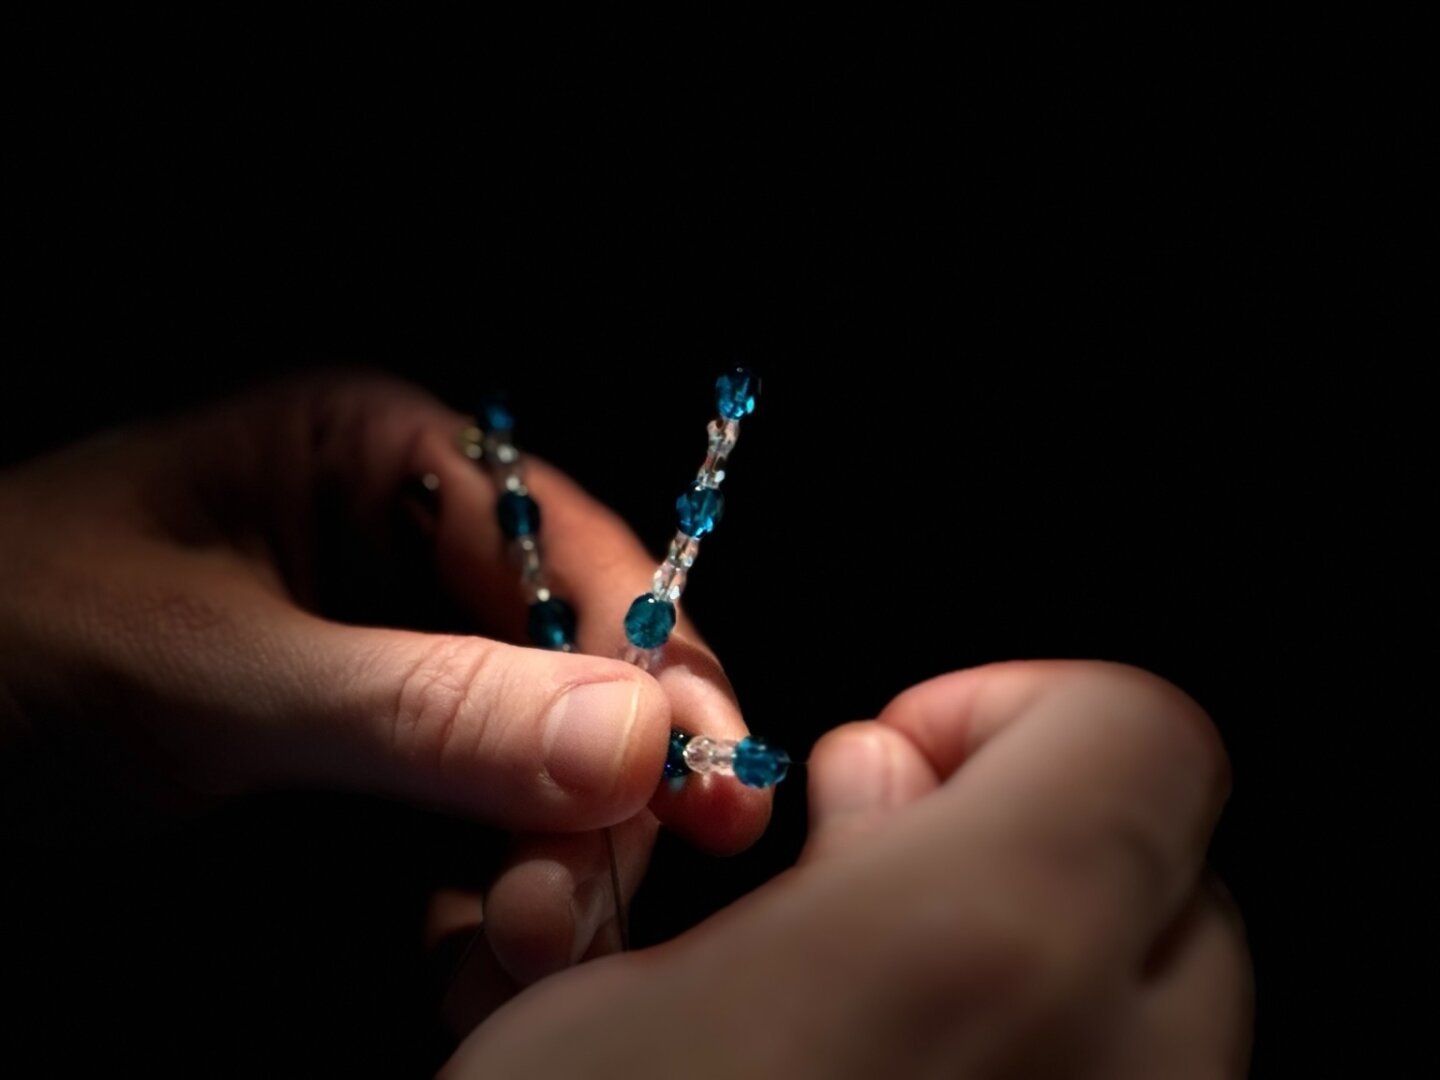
(651, 618)
(551, 621)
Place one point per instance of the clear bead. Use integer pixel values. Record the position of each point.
(705, 755)
(723, 435)
(525, 550)
(669, 581)
(505, 452)
(472, 442)
(697, 753)
(515, 482)
(644, 659)
(722, 442)
(683, 550)
(710, 475)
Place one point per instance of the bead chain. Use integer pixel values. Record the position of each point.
(651, 616)
(551, 621)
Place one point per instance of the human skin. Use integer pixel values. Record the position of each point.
(1005, 877)
(1006, 869)
(167, 639)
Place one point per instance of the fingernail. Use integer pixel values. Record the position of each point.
(586, 733)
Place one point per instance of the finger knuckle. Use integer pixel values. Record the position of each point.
(1167, 718)
(435, 715)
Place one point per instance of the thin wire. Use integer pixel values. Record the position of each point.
(459, 964)
(622, 918)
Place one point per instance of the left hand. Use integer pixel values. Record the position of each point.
(201, 607)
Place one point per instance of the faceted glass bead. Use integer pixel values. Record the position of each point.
(723, 437)
(710, 475)
(649, 621)
(683, 550)
(735, 393)
(495, 414)
(525, 551)
(722, 756)
(758, 765)
(644, 659)
(675, 756)
(532, 573)
(519, 514)
(722, 441)
(699, 508)
(697, 753)
(669, 581)
(472, 442)
(552, 623)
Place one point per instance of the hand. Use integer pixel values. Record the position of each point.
(164, 639)
(1005, 877)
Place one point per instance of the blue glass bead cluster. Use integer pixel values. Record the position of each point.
(551, 621)
(651, 617)
(699, 508)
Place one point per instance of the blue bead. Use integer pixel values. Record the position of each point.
(519, 514)
(675, 757)
(552, 623)
(735, 393)
(649, 621)
(699, 508)
(759, 765)
(495, 415)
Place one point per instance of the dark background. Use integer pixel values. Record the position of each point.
(1056, 363)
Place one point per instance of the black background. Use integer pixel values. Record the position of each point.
(1054, 356)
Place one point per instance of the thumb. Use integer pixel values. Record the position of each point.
(519, 738)
(860, 775)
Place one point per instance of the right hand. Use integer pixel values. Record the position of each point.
(1005, 877)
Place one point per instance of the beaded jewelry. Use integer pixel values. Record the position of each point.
(652, 615)
(651, 618)
(551, 622)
